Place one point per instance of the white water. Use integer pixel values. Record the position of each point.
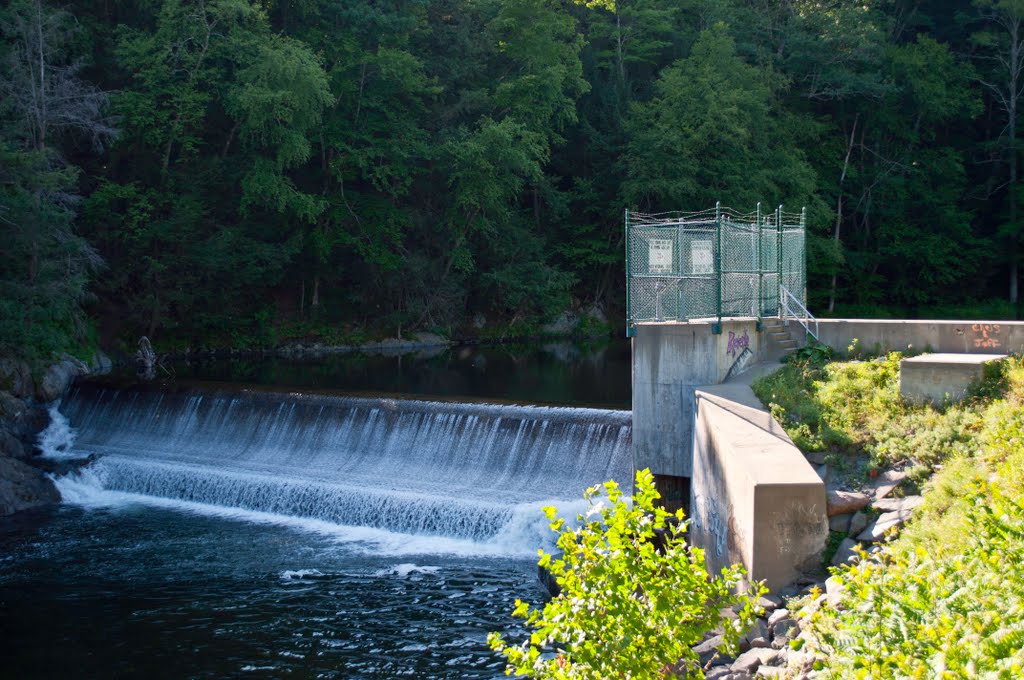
(57, 441)
(389, 477)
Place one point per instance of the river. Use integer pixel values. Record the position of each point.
(353, 517)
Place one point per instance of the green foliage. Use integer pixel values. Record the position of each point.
(946, 599)
(960, 613)
(634, 597)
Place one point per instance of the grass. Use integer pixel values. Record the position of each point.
(946, 598)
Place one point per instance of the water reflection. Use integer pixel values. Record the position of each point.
(553, 373)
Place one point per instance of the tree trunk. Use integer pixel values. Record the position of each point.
(839, 213)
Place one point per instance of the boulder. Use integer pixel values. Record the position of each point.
(16, 378)
(835, 591)
(769, 603)
(884, 523)
(753, 659)
(777, 615)
(11, 446)
(759, 634)
(708, 649)
(100, 364)
(58, 379)
(897, 504)
(858, 523)
(11, 407)
(845, 502)
(840, 523)
(786, 629)
(845, 552)
(884, 484)
(23, 487)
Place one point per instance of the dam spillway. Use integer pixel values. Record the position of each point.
(427, 468)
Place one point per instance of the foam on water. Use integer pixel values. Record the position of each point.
(57, 440)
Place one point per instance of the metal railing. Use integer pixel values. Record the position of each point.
(712, 264)
(792, 308)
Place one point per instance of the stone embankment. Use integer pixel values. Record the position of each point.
(775, 647)
(24, 413)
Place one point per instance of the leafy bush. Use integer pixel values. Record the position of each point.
(945, 599)
(915, 614)
(634, 597)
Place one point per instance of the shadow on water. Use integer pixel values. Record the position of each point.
(557, 373)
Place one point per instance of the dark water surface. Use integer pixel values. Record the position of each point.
(131, 590)
(223, 531)
(551, 373)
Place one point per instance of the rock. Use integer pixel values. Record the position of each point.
(801, 661)
(885, 522)
(11, 446)
(770, 672)
(816, 458)
(777, 615)
(16, 378)
(834, 591)
(845, 552)
(823, 472)
(563, 325)
(34, 421)
(884, 484)
(858, 523)
(100, 364)
(845, 502)
(11, 407)
(759, 631)
(708, 649)
(896, 504)
(23, 487)
(58, 379)
(751, 660)
(430, 340)
(769, 603)
(721, 673)
(786, 629)
(840, 523)
(479, 321)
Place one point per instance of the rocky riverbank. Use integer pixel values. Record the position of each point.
(24, 413)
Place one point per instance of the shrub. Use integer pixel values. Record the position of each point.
(634, 597)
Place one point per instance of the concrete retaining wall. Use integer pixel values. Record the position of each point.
(966, 337)
(669, 361)
(755, 499)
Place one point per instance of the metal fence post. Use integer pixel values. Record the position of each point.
(630, 326)
(717, 328)
(760, 267)
(778, 255)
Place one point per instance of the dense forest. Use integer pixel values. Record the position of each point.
(235, 172)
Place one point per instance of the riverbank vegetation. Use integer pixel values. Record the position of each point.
(237, 173)
(945, 598)
(634, 598)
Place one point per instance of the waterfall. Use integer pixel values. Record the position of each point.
(456, 470)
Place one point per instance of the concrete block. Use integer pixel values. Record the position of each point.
(937, 377)
(967, 337)
(669, 361)
(755, 499)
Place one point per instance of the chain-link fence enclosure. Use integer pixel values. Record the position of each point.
(712, 264)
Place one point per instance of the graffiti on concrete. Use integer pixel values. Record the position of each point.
(985, 335)
(737, 343)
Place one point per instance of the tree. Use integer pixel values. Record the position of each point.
(1002, 46)
(44, 265)
(634, 596)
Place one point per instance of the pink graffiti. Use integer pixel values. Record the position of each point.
(737, 343)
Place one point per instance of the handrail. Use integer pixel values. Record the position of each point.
(805, 317)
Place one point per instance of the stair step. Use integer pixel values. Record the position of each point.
(789, 344)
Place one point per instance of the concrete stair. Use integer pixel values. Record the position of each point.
(779, 336)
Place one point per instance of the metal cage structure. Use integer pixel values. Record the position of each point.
(714, 264)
